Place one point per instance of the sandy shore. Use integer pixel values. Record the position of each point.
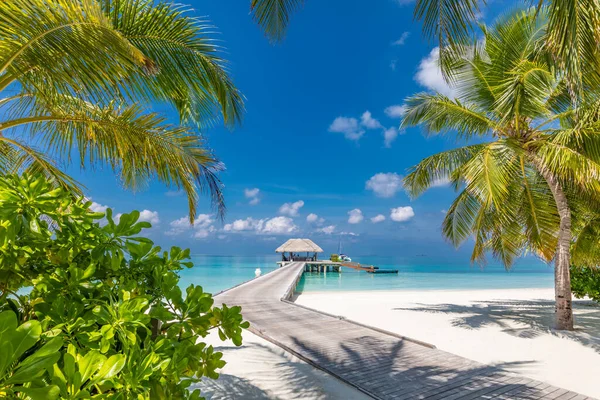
(508, 328)
(260, 370)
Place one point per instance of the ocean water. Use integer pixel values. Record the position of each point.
(217, 273)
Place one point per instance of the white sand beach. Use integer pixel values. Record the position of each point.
(260, 370)
(507, 328)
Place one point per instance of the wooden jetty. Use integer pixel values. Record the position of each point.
(381, 364)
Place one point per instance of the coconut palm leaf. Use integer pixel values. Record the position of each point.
(83, 70)
(189, 71)
(439, 114)
(273, 16)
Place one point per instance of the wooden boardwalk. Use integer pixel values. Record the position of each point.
(380, 364)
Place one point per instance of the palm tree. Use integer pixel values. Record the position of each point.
(534, 154)
(76, 81)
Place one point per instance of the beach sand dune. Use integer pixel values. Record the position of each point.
(508, 328)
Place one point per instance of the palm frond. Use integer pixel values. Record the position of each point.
(273, 16)
(189, 72)
(450, 22)
(573, 36)
(438, 167)
(138, 146)
(439, 114)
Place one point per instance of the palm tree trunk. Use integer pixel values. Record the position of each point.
(562, 262)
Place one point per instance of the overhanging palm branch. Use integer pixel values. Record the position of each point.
(273, 16)
(82, 69)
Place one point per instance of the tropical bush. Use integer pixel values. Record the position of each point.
(93, 310)
(585, 281)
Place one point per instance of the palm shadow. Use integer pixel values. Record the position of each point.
(521, 318)
(384, 368)
(297, 380)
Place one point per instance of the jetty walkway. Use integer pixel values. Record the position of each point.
(378, 363)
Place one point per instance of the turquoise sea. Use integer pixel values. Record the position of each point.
(216, 273)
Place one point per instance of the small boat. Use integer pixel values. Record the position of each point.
(342, 257)
(257, 272)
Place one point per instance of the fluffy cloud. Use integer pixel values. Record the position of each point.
(328, 230)
(378, 218)
(352, 128)
(401, 214)
(279, 225)
(203, 233)
(395, 111)
(149, 216)
(368, 121)
(355, 216)
(385, 184)
(252, 195)
(291, 209)
(348, 126)
(203, 222)
(441, 182)
(389, 135)
(314, 219)
(401, 40)
(429, 74)
(248, 224)
(99, 208)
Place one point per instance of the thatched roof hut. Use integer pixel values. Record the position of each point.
(299, 246)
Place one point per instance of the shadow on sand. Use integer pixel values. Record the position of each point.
(386, 369)
(294, 379)
(534, 317)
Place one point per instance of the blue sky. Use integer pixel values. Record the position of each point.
(311, 158)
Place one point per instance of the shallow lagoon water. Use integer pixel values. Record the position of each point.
(217, 273)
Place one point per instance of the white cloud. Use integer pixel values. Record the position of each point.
(440, 182)
(355, 216)
(385, 184)
(389, 135)
(252, 195)
(378, 218)
(328, 230)
(429, 74)
(395, 111)
(182, 225)
(174, 193)
(291, 209)
(99, 208)
(279, 225)
(393, 64)
(401, 214)
(248, 224)
(401, 40)
(348, 126)
(312, 217)
(367, 120)
(204, 233)
(149, 216)
(349, 234)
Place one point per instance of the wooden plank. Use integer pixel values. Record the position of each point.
(383, 365)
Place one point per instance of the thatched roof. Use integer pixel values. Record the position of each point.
(299, 246)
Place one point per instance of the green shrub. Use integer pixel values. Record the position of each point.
(91, 310)
(585, 281)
